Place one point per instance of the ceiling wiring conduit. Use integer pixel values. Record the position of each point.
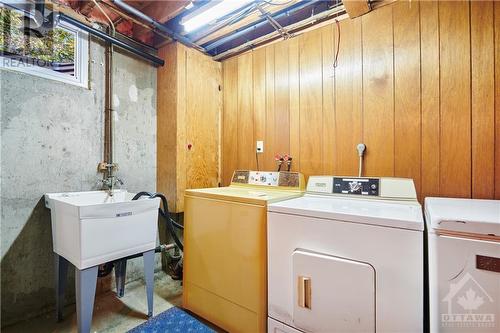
(292, 28)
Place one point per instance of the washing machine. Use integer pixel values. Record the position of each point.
(347, 257)
(464, 264)
(225, 254)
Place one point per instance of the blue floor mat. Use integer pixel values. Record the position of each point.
(172, 320)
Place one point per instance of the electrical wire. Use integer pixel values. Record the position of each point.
(241, 14)
(277, 4)
(335, 61)
(257, 160)
(107, 17)
(361, 151)
(360, 171)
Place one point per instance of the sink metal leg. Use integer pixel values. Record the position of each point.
(61, 274)
(149, 269)
(120, 274)
(85, 283)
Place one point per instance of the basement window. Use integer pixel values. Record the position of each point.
(60, 54)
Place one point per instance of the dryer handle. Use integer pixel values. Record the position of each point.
(304, 292)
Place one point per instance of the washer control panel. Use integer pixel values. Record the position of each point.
(263, 178)
(356, 186)
(287, 179)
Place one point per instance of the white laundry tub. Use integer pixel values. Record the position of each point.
(92, 228)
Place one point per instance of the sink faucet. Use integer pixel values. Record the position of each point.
(110, 180)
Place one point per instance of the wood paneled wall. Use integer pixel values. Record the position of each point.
(415, 81)
(188, 121)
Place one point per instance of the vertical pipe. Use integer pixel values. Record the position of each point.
(110, 101)
(108, 106)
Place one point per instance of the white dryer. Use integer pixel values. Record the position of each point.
(347, 257)
(464, 264)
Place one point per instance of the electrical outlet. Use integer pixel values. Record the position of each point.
(260, 146)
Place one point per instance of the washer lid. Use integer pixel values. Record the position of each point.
(396, 214)
(464, 215)
(244, 194)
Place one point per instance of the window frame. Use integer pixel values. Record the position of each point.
(81, 61)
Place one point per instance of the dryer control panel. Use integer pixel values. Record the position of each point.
(377, 188)
(357, 186)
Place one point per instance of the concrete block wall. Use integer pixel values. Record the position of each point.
(51, 141)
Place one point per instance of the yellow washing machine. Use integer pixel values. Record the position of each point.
(225, 250)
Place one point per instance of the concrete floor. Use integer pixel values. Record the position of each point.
(111, 314)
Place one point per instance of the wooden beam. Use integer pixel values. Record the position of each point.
(355, 8)
(164, 10)
(86, 7)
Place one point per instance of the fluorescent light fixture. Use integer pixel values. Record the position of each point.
(221, 9)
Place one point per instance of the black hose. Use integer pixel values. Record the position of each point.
(106, 268)
(165, 214)
(175, 224)
(151, 195)
(142, 194)
(170, 227)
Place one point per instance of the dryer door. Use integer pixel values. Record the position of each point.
(332, 294)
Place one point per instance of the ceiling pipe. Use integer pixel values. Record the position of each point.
(221, 23)
(274, 23)
(104, 36)
(123, 16)
(157, 25)
(56, 16)
(294, 29)
(258, 24)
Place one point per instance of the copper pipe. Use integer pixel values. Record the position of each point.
(108, 110)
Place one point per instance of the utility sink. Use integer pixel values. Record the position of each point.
(92, 228)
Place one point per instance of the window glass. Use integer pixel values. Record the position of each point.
(54, 53)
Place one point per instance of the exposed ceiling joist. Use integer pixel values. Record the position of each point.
(157, 22)
(300, 13)
(252, 17)
(355, 8)
(296, 28)
(86, 7)
(164, 10)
